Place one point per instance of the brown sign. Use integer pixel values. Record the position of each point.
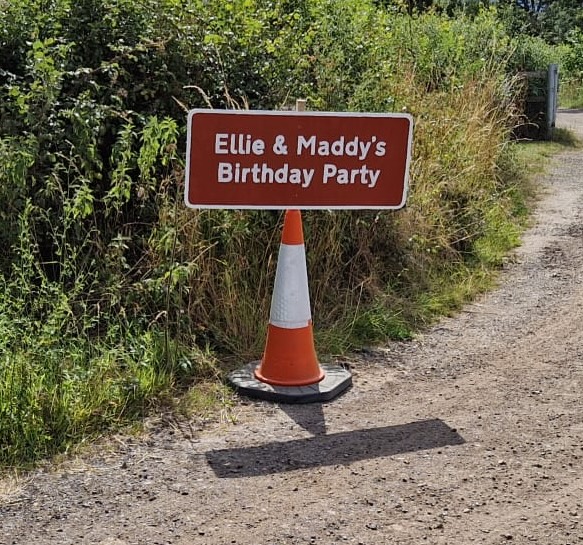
(278, 160)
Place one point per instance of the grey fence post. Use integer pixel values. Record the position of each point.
(552, 98)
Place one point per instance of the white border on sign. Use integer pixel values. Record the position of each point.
(203, 111)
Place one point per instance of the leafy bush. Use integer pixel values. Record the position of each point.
(572, 71)
(531, 53)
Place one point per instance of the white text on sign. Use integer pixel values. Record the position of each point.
(263, 173)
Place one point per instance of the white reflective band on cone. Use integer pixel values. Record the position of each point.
(290, 303)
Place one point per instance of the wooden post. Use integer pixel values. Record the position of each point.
(301, 105)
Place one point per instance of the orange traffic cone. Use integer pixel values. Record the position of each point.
(290, 357)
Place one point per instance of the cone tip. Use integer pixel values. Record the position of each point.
(292, 228)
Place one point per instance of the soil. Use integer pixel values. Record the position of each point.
(472, 433)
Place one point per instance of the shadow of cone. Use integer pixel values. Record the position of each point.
(290, 357)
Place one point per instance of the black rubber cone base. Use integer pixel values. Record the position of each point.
(337, 380)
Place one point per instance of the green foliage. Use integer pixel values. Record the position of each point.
(573, 56)
(572, 71)
(551, 20)
(561, 18)
(532, 53)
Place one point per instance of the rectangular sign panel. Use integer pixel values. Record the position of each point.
(303, 160)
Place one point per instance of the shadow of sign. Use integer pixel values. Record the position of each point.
(333, 449)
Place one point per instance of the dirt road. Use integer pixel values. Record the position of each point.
(473, 433)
